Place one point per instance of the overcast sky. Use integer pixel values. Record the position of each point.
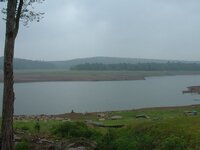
(160, 29)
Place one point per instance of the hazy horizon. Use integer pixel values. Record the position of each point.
(154, 29)
(108, 57)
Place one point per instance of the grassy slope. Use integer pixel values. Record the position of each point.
(164, 124)
(155, 114)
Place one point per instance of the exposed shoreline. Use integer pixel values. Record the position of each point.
(62, 75)
(75, 78)
(29, 80)
(81, 115)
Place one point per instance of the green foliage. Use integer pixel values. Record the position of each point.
(174, 142)
(25, 128)
(146, 136)
(30, 126)
(106, 141)
(23, 145)
(37, 126)
(173, 130)
(136, 138)
(74, 130)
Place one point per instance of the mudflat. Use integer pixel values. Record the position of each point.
(66, 75)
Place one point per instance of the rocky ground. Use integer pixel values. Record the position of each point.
(45, 142)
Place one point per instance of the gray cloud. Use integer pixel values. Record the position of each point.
(124, 28)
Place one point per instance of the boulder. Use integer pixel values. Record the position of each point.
(115, 117)
(78, 144)
(142, 116)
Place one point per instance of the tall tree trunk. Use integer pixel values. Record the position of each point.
(8, 93)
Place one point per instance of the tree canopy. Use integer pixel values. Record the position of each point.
(139, 66)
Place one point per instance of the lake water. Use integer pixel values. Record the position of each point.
(62, 97)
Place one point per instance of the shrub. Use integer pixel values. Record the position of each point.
(146, 136)
(107, 140)
(126, 143)
(174, 142)
(25, 128)
(74, 130)
(37, 126)
(23, 145)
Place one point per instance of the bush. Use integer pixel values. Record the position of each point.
(37, 126)
(136, 141)
(74, 130)
(126, 143)
(23, 145)
(107, 140)
(145, 136)
(25, 128)
(174, 142)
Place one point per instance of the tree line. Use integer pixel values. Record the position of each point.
(178, 66)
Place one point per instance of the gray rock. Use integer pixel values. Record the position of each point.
(78, 148)
(115, 117)
(142, 116)
(78, 144)
(17, 138)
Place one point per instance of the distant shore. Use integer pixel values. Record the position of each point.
(66, 75)
(48, 78)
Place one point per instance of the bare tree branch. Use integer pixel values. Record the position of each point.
(17, 18)
(25, 12)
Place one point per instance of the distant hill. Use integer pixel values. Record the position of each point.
(30, 64)
(105, 60)
(111, 60)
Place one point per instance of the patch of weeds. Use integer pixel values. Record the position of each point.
(74, 130)
(23, 145)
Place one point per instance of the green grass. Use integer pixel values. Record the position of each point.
(29, 125)
(155, 114)
(177, 133)
(167, 128)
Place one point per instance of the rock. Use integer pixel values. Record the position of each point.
(44, 141)
(190, 113)
(58, 118)
(17, 138)
(142, 116)
(101, 115)
(78, 148)
(115, 117)
(101, 119)
(78, 144)
(66, 119)
(94, 123)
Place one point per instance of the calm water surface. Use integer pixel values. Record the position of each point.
(62, 97)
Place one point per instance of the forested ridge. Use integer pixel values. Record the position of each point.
(139, 66)
(106, 63)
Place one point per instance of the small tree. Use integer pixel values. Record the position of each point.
(16, 10)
